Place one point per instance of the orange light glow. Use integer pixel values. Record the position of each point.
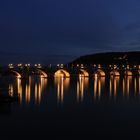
(19, 89)
(61, 73)
(62, 84)
(28, 93)
(11, 90)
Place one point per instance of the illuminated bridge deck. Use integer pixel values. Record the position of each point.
(23, 70)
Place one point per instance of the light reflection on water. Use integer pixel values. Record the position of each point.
(61, 84)
(113, 86)
(82, 84)
(33, 89)
(70, 105)
(99, 83)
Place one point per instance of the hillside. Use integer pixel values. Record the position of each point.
(109, 58)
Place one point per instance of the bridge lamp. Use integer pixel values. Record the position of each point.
(94, 65)
(115, 66)
(39, 65)
(10, 66)
(127, 66)
(110, 66)
(61, 66)
(82, 66)
(99, 66)
(19, 65)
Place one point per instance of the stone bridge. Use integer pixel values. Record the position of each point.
(69, 71)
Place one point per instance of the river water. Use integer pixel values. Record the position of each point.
(71, 107)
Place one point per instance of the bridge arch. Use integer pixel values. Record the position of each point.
(43, 74)
(114, 73)
(83, 73)
(99, 73)
(128, 73)
(61, 73)
(17, 74)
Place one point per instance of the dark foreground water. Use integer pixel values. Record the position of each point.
(72, 108)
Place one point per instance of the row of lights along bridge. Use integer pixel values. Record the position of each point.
(74, 66)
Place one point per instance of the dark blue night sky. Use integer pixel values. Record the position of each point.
(58, 31)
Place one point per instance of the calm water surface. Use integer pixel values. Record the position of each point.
(80, 107)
